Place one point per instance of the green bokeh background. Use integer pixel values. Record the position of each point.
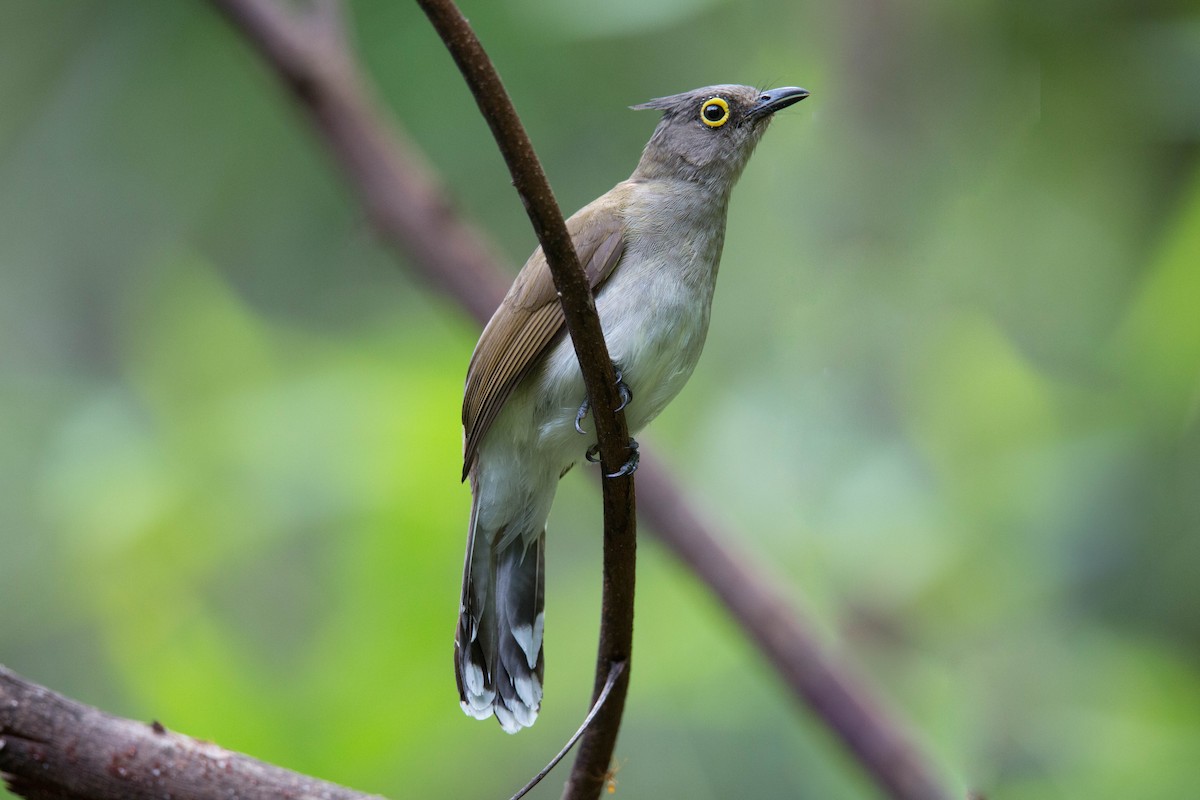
(950, 394)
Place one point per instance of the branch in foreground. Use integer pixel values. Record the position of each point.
(360, 142)
(54, 748)
(583, 323)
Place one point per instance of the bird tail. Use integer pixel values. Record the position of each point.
(498, 659)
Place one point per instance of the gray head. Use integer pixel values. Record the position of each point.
(708, 134)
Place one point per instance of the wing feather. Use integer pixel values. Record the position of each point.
(530, 318)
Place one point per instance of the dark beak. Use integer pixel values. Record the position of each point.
(773, 100)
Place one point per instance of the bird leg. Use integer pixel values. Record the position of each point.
(623, 391)
(628, 468)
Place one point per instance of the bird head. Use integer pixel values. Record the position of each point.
(708, 134)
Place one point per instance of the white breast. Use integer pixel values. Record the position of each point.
(654, 309)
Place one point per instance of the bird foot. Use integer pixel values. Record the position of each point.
(623, 391)
(628, 468)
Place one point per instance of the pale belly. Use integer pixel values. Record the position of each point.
(654, 333)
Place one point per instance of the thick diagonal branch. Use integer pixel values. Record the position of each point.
(54, 748)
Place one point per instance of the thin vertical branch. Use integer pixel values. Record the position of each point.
(583, 324)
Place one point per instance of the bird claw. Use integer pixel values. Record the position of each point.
(579, 417)
(631, 464)
(623, 391)
(628, 468)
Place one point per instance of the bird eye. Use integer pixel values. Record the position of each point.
(715, 112)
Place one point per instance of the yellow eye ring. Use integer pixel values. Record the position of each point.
(714, 112)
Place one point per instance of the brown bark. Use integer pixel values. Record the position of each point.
(54, 748)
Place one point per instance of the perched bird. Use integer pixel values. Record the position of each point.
(650, 248)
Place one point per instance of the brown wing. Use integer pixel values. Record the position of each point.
(528, 320)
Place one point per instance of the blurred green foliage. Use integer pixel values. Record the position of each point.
(951, 391)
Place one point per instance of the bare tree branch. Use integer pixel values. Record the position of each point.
(54, 748)
(410, 210)
(583, 323)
